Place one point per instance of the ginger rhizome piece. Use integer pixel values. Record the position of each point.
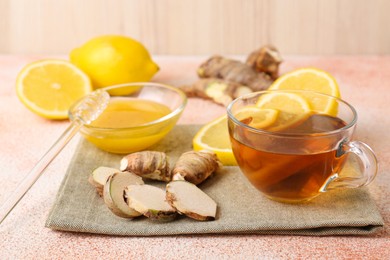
(266, 59)
(223, 79)
(196, 166)
(218, 90)
(234, 71)
(147, 164)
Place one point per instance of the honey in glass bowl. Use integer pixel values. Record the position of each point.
(137, 116)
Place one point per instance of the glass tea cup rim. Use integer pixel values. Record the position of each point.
(172, 114)
(348, 125)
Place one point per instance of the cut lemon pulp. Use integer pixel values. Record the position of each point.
(311, 79)
(292, 108)
(49, 87)
(214, 136)
(257, 117)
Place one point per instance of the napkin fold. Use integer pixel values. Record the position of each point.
(241, 208)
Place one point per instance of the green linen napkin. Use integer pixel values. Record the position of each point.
(241, 208)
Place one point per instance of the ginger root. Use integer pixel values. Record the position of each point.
(223, 79)
(126, 195)
(220, 91)
(266, 59)
(234, 71)
(147, 164)
(195, 167)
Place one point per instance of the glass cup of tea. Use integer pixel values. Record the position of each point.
(293, 145)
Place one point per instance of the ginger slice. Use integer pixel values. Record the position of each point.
(99, 177)
(147, 164)
(113, 193)
(191, 201)
(150, 201)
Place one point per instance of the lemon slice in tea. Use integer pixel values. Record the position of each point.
(292, 108)
(257, 117)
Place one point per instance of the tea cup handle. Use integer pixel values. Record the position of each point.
(367, 172)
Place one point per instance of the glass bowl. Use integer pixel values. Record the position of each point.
(148, 112)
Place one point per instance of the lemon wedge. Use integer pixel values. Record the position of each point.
(214, 136)
(293, 108)
(49, 87)
(312, 79)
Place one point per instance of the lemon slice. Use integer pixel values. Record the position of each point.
(257, 117)
(214, 136)
(312, 79)
(292, 108)
(49, 87)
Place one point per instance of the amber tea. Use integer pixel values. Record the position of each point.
(291, 177)
(292, 151)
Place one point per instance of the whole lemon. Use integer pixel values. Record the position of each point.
(114, 59)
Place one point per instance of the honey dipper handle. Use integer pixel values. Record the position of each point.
(83, 112)
(38, 169)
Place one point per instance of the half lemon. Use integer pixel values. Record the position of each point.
(214, 136)
(311, 79)
(49, 87)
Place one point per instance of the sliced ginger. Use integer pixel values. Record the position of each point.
(150, 201)
(113, 193)
(191, 201)
(99, 177)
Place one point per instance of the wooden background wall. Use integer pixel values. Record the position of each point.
(191, 27)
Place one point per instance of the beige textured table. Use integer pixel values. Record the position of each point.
(24, 137)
